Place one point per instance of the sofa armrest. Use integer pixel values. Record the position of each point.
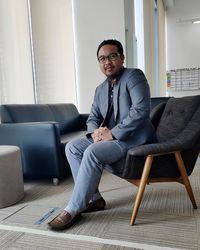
(84, 118)
(39, 143)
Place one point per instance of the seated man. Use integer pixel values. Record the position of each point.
(119, 120)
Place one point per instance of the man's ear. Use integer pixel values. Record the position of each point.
(122, 58)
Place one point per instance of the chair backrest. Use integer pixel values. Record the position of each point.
(155, 101)
(177, 114)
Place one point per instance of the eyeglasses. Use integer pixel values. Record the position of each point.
(111, 57)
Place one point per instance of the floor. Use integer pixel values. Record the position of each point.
(166, 219)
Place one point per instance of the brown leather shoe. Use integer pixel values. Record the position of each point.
(95, 206)
(63, 221)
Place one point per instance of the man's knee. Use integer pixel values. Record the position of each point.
(104, 152)
(93, 151)
(76, 146)
(71, 147)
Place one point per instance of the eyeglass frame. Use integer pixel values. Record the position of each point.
(105, 58)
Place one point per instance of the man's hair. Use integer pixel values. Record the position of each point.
(111, 42)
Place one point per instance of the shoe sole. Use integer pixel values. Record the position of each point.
(92, 210)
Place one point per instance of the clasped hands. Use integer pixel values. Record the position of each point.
(102, 134)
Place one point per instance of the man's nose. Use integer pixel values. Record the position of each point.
(107, 60)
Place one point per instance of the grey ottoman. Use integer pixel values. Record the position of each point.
(11, 177)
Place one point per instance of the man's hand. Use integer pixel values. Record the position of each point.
(102, 134)
(96, 135)
(105, 134)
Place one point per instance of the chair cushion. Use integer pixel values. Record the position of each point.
(177, 113)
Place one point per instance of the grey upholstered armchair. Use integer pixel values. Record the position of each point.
(174, 156)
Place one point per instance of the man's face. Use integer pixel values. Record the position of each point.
(110, 60)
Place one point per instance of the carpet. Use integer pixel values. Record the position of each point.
(165, 219)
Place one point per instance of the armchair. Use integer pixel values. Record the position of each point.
(174, 156)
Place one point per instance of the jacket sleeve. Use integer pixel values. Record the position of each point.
(139, 93)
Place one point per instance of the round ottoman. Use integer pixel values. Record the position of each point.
(11, 177)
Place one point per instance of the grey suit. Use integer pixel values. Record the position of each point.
(131, 103)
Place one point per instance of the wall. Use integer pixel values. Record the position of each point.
(16, 81)
(131, 49)
(183, 38)
(139, 33)
(62, 32)
(149, 36)
(161, 48)
(94, 21)
(52, 34)
(150, 44)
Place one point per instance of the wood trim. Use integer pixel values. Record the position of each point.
(185, 178)
(136, 182)
(143, 182)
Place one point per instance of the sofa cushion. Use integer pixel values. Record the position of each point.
(73, 135)
(68, 137)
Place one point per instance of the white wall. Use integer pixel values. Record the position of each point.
(149, 36)
(161, 48)
(16, 82)
(94, 21)
(183, 38)
(59, 77)
(151, 47)
(52, 34)
(139, 31)
(131, 50)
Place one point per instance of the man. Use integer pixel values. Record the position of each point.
(118, 121)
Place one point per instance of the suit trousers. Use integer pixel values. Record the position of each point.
(87, 161)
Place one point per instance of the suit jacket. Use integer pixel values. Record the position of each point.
(131, 102)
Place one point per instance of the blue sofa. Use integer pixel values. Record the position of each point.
(41, 132)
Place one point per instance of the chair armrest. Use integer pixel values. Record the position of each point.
(178, 143)
(154, 148)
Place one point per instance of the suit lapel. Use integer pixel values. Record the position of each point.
(115, 99)
(105, 98)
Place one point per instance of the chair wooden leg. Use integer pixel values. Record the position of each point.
(185, 178)
(143, 182)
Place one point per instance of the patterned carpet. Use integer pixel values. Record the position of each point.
(166, 219)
